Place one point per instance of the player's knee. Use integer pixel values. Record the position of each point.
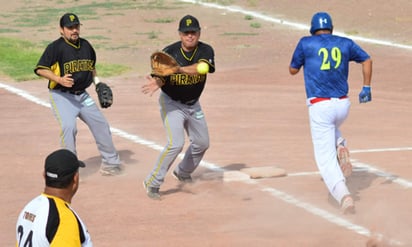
(200, 145)
(175, 147)
(69, 127)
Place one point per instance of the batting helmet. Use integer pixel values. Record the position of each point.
(321, 21)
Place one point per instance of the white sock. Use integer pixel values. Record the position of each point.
(340, 191)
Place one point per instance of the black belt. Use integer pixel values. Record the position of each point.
(78, 92)
(189, 102)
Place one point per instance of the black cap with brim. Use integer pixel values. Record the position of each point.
(69, 20)
(189, 24)
(61, 163)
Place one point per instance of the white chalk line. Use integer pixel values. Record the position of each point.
(216, 168)
(362, 167)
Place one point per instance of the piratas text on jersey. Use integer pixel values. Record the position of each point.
(184, 79)
(78, 65)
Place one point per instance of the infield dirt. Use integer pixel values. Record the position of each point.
(256, 114)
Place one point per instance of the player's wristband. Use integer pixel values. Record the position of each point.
(366, 89)
(96, 80)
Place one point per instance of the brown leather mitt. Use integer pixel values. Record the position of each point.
(163, 64)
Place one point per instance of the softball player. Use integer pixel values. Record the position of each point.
(48, 219)
(180, 108)
(69, 65)
(325, 58)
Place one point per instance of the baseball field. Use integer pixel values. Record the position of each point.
(256, 114)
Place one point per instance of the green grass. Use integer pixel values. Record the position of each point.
(19, 57)
(108, 70)
(9, 30)
(255, 25)
(240, 34)
(163, 20)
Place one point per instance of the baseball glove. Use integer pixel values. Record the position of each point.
(105, 94)
(163, 64)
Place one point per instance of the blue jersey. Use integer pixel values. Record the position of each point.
(325, 59)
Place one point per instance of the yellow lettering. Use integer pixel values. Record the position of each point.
(186, 80)
(78, 66)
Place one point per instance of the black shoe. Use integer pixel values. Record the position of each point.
(185, 179)
(152, 192)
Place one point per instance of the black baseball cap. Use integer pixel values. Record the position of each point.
(69, 20)
(61, 163)
(189, 24)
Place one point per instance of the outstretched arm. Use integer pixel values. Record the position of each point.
(152, 85)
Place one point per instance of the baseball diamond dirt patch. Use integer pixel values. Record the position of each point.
(256, 114)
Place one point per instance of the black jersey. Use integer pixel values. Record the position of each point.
(62, 57)
(184, 87)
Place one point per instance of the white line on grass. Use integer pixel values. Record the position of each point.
(216, 168)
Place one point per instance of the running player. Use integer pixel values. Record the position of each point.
(325, 58)
(48, 219)
(69, 65)
(180, 108)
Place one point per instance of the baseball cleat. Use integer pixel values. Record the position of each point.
(151, 192)
(110, 170)
(185, 179)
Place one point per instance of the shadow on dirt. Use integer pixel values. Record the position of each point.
(93, 163)
(360, 180)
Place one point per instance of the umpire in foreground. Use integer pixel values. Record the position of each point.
(49, 220)
(180, 107)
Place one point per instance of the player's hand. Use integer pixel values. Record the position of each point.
(152, 85)
(365, 95)
(66, 80)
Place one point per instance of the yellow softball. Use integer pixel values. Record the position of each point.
(202, 68)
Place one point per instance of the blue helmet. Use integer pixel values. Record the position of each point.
(320, 21)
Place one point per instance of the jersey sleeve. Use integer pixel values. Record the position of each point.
(92, 53)
(207, 56)
(298, 57)
(47, 59)
(358, 54)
